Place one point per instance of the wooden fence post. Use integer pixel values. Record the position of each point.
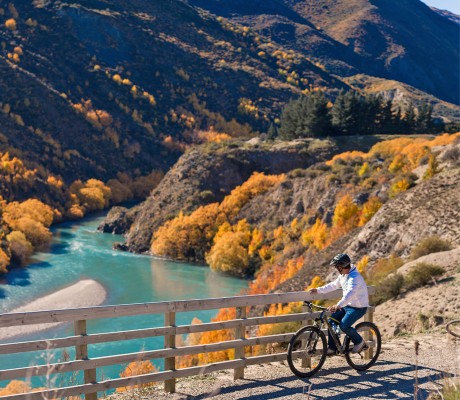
(369, 317)
(240, 333)
(306, 362)
(81, 353)
(170, 342)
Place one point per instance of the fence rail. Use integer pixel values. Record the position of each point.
(82, 339)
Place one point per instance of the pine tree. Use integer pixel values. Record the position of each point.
(387, 119)
(424, 123)
(409, 119)
(346, 113)
(272, 132)
(289, 120)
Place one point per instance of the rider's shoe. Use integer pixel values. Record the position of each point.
(331, 352)
(357, 348)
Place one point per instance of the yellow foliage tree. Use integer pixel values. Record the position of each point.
(399, 186)
(369, 209)
(345, 217)
(92, 195)
(230, 250)
(15, 387)
(187, 236)
(316, 235)
(4, 262)
(362, 264)
(316, 282)
(32, 218)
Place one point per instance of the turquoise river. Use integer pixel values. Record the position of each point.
(78, 251)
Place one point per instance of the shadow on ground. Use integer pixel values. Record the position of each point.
(386, 380)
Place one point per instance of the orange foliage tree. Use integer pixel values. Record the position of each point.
(316, 235)
(369, 209)
(11, 24)
(137, 368)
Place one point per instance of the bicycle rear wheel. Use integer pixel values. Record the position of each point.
(453, 327)
(307, 351)
(371, 335)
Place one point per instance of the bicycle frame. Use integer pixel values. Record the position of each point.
(322, 320)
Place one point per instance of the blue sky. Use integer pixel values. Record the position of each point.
(451, 5)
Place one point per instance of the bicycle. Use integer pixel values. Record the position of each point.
(307, 349)
(453, 327)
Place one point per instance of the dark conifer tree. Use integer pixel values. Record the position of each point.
(272, 132)
(289, 120)
(424, 123)
(409, 119)
(315, 119)
(387, 119)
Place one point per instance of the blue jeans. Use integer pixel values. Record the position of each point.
(347, 317)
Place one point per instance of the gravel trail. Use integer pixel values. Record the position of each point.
(392, 377)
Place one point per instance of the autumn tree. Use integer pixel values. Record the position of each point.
(137, 368)
(230, 250)
(15, 387)
(11, 24)
(21, 248)
(32, 218)
(4, 262)
(316, 235)
(369, 209)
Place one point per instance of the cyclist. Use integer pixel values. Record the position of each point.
(353, 304)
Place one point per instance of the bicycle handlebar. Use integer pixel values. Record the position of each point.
(311, 305)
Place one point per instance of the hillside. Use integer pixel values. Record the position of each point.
(207, 174)
(89, 89)
(405, 41)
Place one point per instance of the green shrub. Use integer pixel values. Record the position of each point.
(389, 288)
(420, 274)
(431, 244)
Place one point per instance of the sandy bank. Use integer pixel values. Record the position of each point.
(85, 293)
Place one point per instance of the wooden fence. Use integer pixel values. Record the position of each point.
(82, 339)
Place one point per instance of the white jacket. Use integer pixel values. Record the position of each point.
(354, 289)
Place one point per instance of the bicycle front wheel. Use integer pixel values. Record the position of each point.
(307, 351)
(453, 327)
(368, 356)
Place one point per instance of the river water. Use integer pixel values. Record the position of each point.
(78, 251)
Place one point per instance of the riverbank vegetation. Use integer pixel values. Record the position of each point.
(33, 199)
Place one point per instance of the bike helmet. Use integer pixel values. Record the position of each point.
(341, 260)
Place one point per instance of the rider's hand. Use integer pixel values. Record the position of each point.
(334, 308)
(313, 290)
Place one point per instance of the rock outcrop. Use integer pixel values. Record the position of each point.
(430, 208)
(118, 220)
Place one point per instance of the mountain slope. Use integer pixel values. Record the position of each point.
(116, 85)
(404, 41)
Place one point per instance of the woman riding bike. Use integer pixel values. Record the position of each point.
(353, 304)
